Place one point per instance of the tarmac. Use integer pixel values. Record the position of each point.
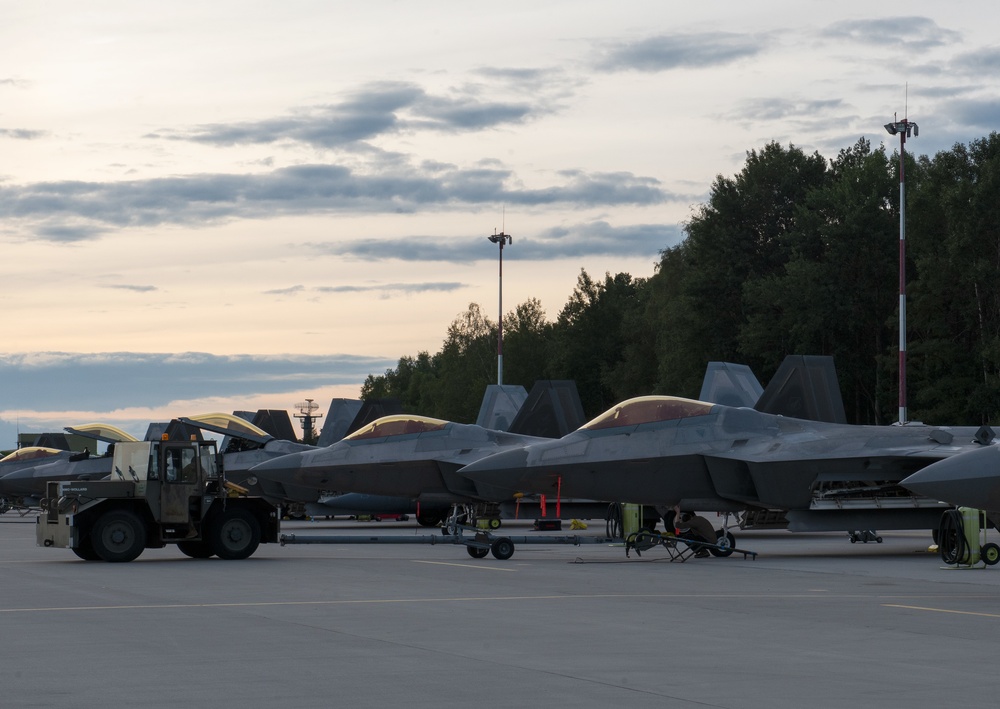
(813, 621)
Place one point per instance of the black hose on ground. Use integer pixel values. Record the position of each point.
(614, 527)
(951, 539)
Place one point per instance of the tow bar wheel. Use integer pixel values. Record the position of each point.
(477, 552)
(503, 549)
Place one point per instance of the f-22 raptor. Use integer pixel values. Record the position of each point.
(791, 461)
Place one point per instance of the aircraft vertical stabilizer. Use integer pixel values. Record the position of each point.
(338, 420)
(730, 384)
(374, 409)
(501, 402)
(804, 387)
(276, 423)
(154, 430)
(552, 410)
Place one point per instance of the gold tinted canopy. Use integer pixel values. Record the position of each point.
(233, 425)
(31, 452)
(398, 425)
(648, 409)
(102, 431)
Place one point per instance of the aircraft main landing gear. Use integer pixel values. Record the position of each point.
(864, 536)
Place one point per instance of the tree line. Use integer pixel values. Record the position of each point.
(795, 254)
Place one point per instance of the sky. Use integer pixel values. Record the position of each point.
(228, 205)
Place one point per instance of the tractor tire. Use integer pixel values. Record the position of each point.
(118, 536)
(234, 535)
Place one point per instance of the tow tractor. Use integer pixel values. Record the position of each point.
(171, 491)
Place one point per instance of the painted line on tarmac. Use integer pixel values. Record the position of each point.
(454, 599)
(942, 610)
(464, 566)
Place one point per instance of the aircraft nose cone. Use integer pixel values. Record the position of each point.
(970, 479)
(280, 467)
(20, 483)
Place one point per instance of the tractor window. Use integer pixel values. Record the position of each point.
(208, 462)
(153, 469)
(181, 465)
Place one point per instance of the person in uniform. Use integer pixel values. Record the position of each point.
(696, 528)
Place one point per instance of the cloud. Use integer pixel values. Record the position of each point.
(983, 114)
(675, 51)
(115, 380)
(979, 63)
(22, 133)
(74, 211)
(137, 289)
(376, 109)
(775, 108)
(444, 287)
(596, 238)
(911, 33)
(291, 290)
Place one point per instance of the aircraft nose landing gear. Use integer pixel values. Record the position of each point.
(864, 536)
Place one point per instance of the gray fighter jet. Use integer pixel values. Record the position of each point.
(410, 461)
(22, 487)
(970, 479)
(773, 470)
(246, 446)
(402, 456)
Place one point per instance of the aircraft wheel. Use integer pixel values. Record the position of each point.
(503, 549)
(196, 550)
(236, 535)
(118, 536)
(495, 523)
(476, 552)
(726, 540)
(431, 519)
(990, 553)
(86, 550)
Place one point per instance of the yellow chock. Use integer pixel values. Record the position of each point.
(577, 524)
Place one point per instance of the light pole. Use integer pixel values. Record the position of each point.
(903, 128)
(500, 239)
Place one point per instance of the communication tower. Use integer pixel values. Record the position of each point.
(307, 412)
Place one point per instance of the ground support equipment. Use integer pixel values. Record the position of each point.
(477, 542)
(678, 548)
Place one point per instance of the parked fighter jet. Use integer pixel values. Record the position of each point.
(774, 470)
(247, 445)
(970, 479)
(24, 486)
(413, 458)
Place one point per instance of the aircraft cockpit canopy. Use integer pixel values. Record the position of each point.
(648, 409)
(398, 425)
(104, 432)
(29, 453)
(229, 425)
